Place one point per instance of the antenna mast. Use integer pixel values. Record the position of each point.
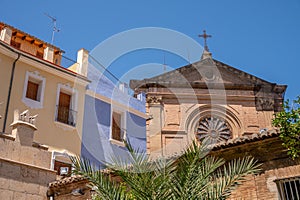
(55, 29)
(165, 65)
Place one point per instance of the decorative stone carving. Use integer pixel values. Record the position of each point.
(154, 99)
(213, 128)
(263, 103)
(210, 74)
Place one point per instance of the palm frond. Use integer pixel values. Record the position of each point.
(194, 175)
(105, 188)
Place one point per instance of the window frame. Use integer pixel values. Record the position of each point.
(41, 81)
(67, 89)
(123, 125)
(63, 159)
(282, 188)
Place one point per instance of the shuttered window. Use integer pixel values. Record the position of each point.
(32, 90)
(64, 108)
(116, 126)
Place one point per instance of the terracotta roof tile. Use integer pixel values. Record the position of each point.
(67, 180)
(246, 139)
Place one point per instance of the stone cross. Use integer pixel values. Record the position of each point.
(205, 36)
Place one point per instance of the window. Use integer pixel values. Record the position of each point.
(62, 168)
(61, 163)
(34, 87)
(63, 110)
(32, 90)
(289, 188)
(66, 105)
(118, 126)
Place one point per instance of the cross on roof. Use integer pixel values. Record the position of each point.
(205, 36)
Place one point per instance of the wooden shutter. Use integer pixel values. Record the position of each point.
(32, 90)
(116, 126)
(64, 107)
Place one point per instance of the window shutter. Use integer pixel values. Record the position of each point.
(64, 108)
(32, 90)
(116, 126)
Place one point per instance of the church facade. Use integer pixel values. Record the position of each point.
(206, 99)
(230, 108)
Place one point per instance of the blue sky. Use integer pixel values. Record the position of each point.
(260, 37)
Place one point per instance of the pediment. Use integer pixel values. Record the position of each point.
(205, 72)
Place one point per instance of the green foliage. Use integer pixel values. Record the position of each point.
(288, 121)
(194, 175)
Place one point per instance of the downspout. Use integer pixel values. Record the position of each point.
(9, 92)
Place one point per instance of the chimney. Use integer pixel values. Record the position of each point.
(23, 127)
(142, 97)
(49, 53)
(83, 61)
(123, 87)
(5, 35)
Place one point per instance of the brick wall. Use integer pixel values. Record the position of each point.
(275, 165)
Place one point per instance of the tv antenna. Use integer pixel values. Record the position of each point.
(55, 29)
(165, 65)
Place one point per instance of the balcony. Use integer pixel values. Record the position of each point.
(65, 115)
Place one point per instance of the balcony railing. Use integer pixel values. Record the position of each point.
(66, 115)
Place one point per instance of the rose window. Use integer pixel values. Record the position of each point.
(213, 128)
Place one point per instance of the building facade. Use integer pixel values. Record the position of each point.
(32, 78)
(110, 117)
(80, 111)
(233, 110)
(206, 99)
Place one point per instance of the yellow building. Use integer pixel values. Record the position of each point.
(31, 77)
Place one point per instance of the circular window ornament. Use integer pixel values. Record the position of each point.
(208, 75)
(214, 129)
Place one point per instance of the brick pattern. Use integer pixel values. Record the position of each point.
(276, 165)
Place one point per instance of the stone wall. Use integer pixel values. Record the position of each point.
(21, 181)
(24, 165)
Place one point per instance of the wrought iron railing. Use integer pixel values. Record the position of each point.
(66, 115)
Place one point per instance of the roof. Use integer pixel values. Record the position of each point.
(246, 139)
(203, 73)
(2, 24)
(67, 180)
(48, 63)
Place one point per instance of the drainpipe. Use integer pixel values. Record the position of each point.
(9, 92)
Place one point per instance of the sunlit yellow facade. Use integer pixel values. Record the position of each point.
(38, 63)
